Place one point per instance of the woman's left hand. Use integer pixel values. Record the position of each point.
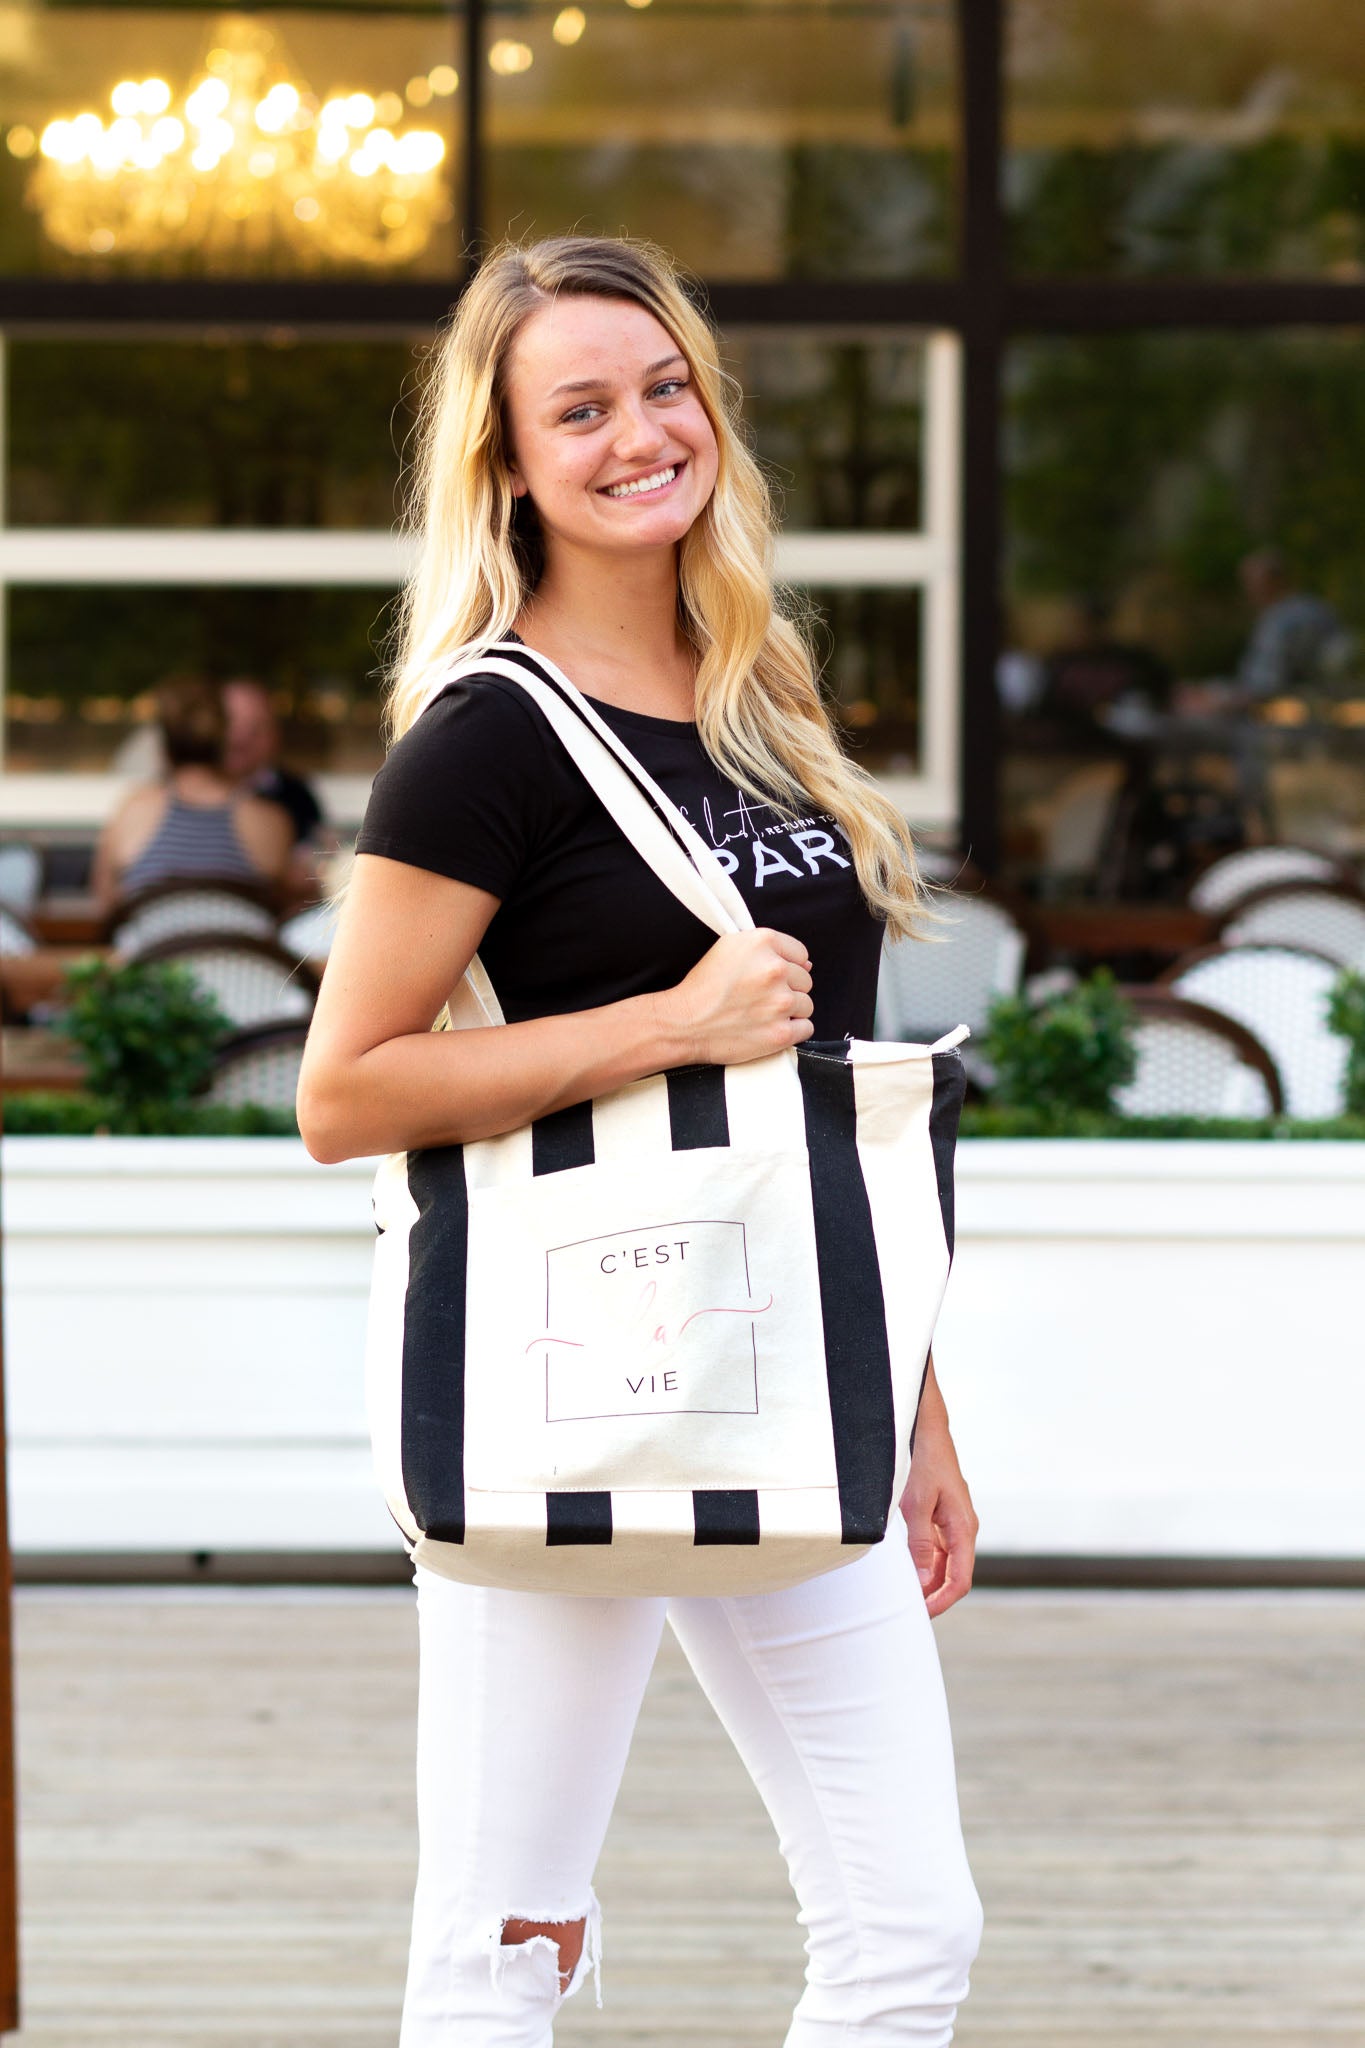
(938, 1510)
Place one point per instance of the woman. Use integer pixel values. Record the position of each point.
(586, 488)
(194, 823)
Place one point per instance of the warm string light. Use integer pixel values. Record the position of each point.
(248, 157)
(507, 58)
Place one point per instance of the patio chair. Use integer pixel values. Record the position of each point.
(254, 981)
(946, 870)
(309, 933)
(1079, 823)
(15, 937)
(1254, 868)
(260, 1065)
(1194, 1061)
(1279, 994)
(21, 877)
(1323, 916)
(171, 909)
(975, 955)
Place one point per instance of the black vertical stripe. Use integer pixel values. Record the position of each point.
(857, 1357)
(432, 1429)
(725, 1514)
(919, 1401)
(577, 1518)
(697, 1114)
(950, 1085)
(562, 1139)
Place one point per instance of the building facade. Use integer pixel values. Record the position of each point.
(1048, 315)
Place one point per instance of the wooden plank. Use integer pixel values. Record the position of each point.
(1107, 930)
(33, 1056)
(29, 978)
(1164, 1797)
(70, 920)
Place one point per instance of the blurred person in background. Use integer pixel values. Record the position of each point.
(1291, 643)
(194, 822)
(1292, 634)
(252, 762)
(1096, 676)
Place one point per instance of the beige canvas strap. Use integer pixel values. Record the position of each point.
(648, 818)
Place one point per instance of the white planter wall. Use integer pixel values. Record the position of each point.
(184, 1338)
(1159, 1348)
(1147, 1348)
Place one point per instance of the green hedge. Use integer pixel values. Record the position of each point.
(77, 1116)
(981, 1120)
(38, 1115)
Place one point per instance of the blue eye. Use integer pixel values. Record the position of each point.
(671, 384)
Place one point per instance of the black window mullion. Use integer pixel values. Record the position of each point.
(983, 263)
(1053, 305)
(470, 67)
(836, 302)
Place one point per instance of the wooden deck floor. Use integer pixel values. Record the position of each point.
(1164, 1797)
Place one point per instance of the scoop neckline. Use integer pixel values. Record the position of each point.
(644, 718)
(610, 711)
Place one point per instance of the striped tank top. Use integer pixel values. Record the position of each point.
(192, 839)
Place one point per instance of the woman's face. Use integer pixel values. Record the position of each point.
(609, 437)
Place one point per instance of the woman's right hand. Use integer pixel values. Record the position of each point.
(748, 996)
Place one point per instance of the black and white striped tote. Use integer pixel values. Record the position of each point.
(671, 1340)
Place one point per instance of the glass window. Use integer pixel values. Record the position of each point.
(752, 138)
(199, 433)
(1210, 137)
(1186, 663)
(83, 662)
(837, 420)
(869, 644)
(183, 142)
(287, 431)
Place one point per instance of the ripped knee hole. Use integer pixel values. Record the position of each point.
(566, 1937)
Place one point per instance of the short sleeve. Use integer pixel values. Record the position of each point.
(463, 792)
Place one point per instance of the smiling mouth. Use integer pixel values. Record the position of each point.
(645, 486)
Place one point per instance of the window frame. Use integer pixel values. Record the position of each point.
(152, 557)
(981, 303)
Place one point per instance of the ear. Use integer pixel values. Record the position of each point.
(518, 483)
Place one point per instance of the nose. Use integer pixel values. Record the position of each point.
(639, 434)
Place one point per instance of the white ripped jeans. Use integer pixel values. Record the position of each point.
(832, 1695)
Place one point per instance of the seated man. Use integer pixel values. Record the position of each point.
(1292, 642)
(252, 761)
(1293, 633)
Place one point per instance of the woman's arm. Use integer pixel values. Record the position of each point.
(125, 833)
(376, 1078)
(267, 833)
(939, 1515)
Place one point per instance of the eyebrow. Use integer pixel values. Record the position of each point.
(596, 383)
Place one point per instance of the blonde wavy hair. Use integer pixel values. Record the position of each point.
(759, 711)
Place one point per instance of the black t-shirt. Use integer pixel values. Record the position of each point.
(281, 786)
(480, 789)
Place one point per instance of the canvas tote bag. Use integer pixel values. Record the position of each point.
(671, 1340)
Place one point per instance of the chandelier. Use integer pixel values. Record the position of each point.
(245, 163)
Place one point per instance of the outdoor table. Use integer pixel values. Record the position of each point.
(29, 978)
(33, 1057)
(68, 920)
(1098, 930)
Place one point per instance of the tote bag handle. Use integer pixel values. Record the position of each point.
(649, 819)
